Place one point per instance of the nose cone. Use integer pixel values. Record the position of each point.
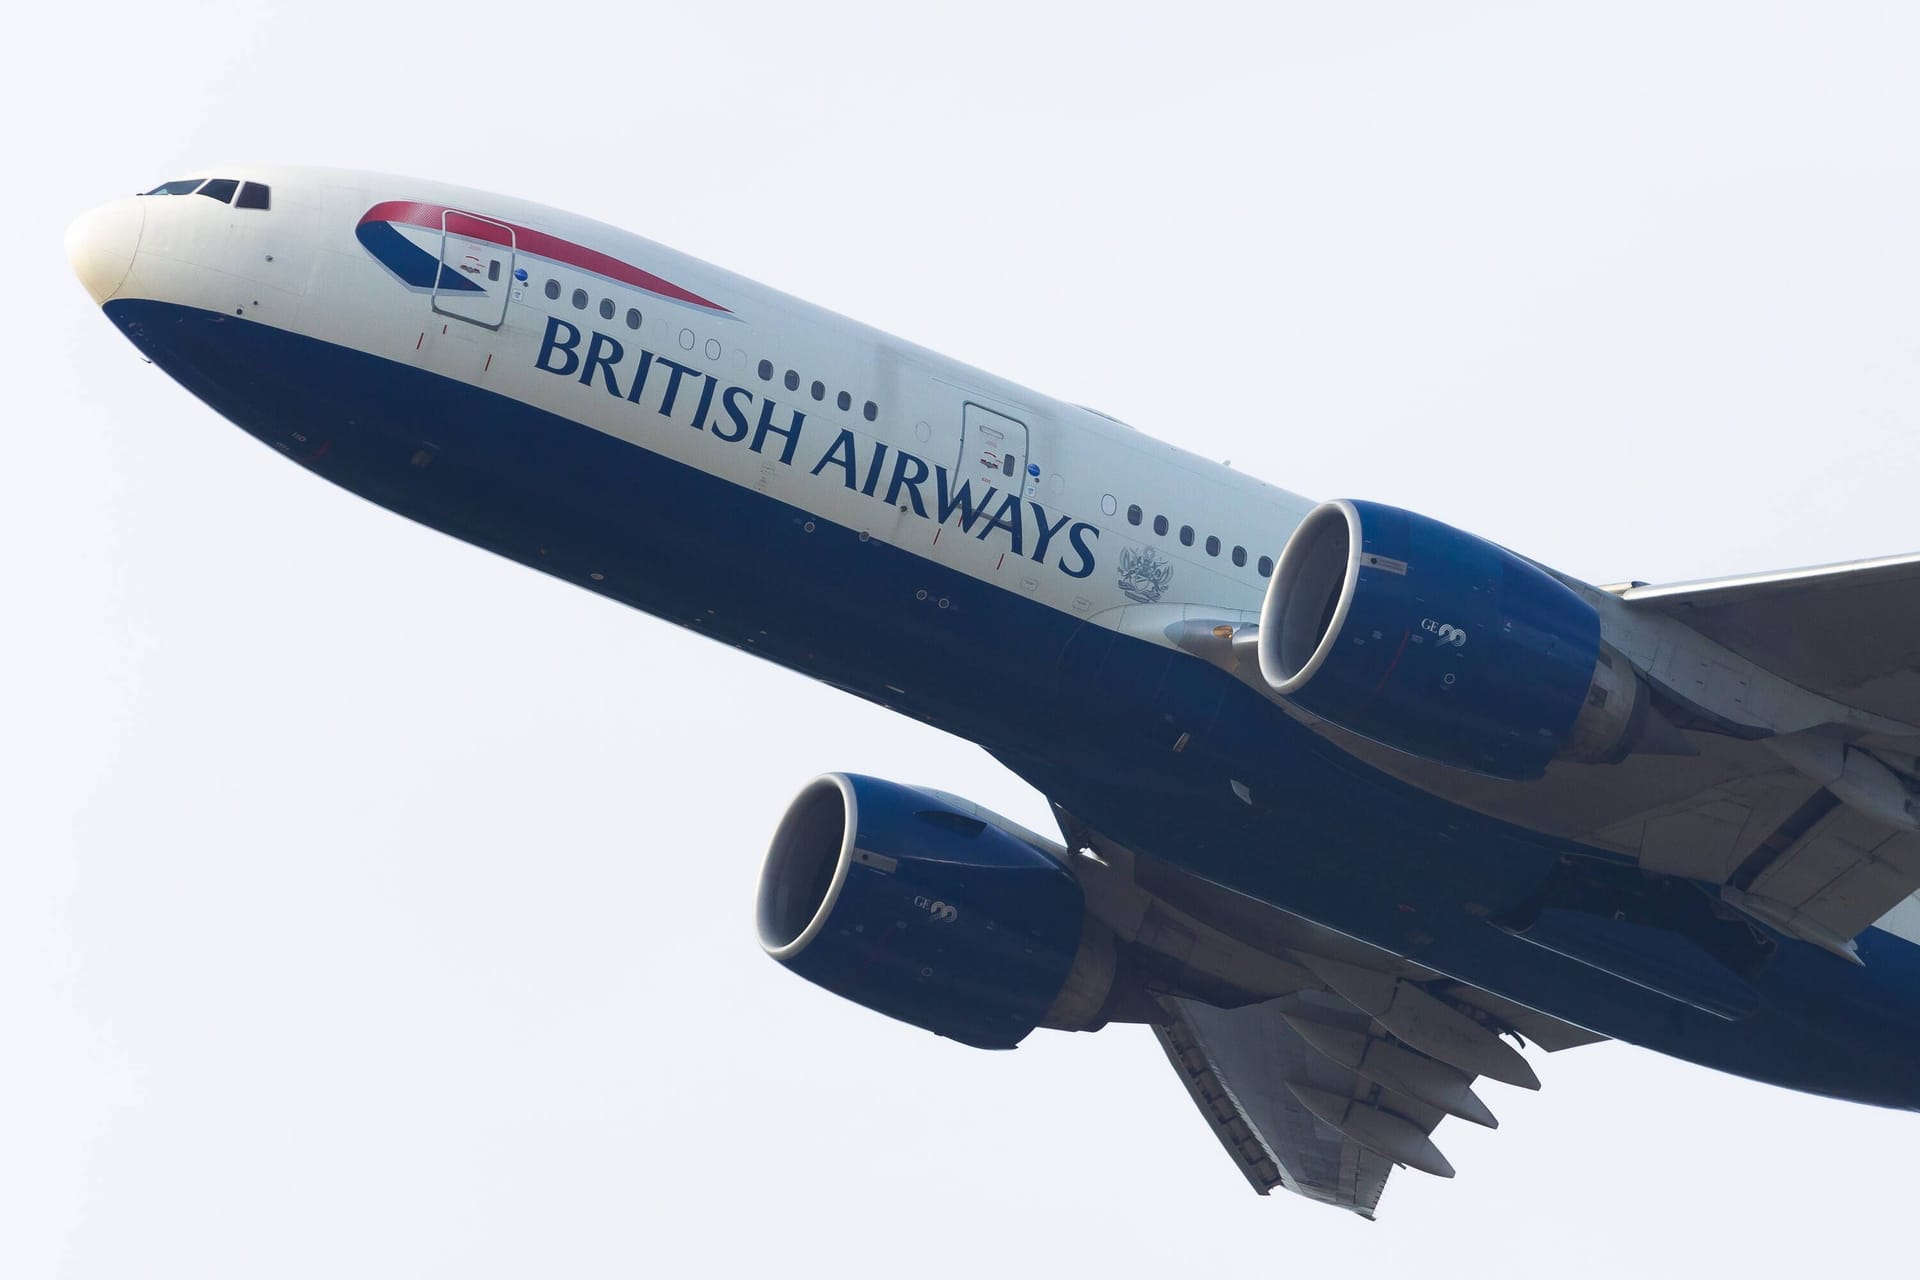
(101, 244)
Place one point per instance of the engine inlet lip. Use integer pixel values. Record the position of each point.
(776, 872)
(1295, 559)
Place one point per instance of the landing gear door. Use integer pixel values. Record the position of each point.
(993, 449)
(476, 268)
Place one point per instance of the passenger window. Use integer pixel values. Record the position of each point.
(254, 195)
(1266, 566)
(1134, 514)
(766, 371)
(1186, 535)
(220, 189)
(182, 187)
(870, 411)
(845, 402)
(633, 318)
(1240, 557)
(553, 289)
(1160, 525)
(606, 308)
(493, 269)
(579, 299)
(792, 381)
(819, 391)
(1213, 545)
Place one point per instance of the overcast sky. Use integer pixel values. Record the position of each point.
(372, 906)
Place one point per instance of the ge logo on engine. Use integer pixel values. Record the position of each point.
(945, 913)
(1445, 632)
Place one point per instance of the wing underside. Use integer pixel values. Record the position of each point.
(1237, 1064)
(1334, 1065)
(1318, 1062)
(1827, 842)
(1789, 778)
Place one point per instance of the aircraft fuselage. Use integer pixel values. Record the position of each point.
(911, 530)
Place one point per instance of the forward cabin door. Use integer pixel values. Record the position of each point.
(476, 268)
(993, 449)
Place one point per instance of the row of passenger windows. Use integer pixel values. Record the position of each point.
(870, 411)
(1238, 555)
(607, 307)
(791, 381)
(251, 195)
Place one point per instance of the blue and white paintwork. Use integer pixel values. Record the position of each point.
(966, 534)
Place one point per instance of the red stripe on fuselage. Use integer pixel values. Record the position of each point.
(477, 226)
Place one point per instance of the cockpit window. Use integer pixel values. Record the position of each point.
(253, 195)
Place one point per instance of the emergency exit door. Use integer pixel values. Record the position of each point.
(476, 268)
(993, 449)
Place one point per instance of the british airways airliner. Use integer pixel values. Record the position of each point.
(1353, 805)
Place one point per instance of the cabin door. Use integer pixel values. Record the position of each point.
(993, 449)
(476, 268)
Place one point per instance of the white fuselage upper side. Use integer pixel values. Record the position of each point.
(1204, 533)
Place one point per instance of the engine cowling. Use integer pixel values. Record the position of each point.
(918, 907)
(1440, 644)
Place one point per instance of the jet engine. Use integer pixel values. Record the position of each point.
(1434, 642)
(919, 907)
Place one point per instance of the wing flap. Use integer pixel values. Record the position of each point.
(1846, 872)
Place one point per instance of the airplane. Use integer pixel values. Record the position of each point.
(1352, 804)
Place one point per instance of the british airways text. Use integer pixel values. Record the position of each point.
(728, 413)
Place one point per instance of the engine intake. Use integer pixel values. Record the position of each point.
(1440, 644)
(918, 907)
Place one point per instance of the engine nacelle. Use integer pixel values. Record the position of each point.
(1440, 644)
(908, 903)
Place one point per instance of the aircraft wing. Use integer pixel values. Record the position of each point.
(1830, 845)
(1848, 631)
(1311, 1093)
(1318, 1062)
(1240, 1066)
(1808, 821)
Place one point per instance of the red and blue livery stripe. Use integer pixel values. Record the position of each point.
(379, 233)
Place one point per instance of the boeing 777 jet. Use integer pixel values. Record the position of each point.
(1353, 806)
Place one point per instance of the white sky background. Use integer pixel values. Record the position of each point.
(372, 906)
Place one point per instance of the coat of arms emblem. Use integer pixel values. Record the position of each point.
(1144, 574)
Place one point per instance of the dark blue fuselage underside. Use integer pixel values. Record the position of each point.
(1088, 716)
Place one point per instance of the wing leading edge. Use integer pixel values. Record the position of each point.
(1251, 1075)
(1850, 632)
(1236, 1076)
